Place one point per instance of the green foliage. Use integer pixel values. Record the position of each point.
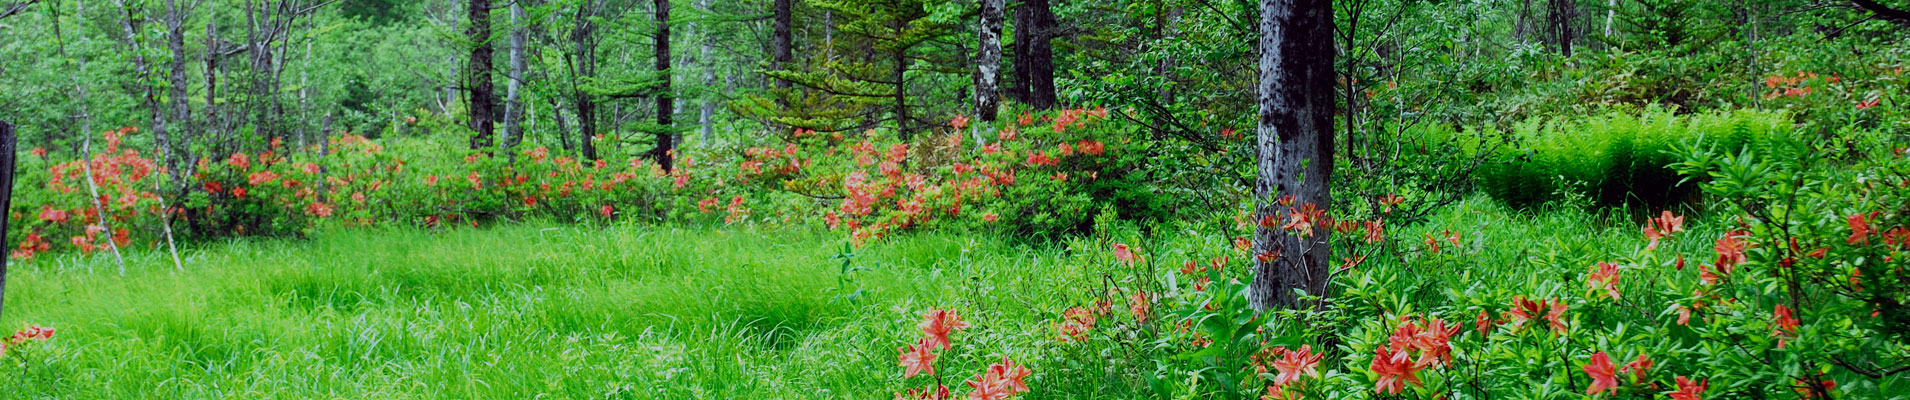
(1620, 157)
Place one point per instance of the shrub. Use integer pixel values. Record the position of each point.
(1619, 157)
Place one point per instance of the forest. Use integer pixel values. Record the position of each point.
(954, 199)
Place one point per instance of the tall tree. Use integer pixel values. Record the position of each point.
(151, 98)
(1034, 54)
(1296, 151)
(477, 81)
(7, 154)
(514, 78)
(666, 100)
(988, 86)
(782, 41)
(583, 64)
(706, 118)
(1560, 23)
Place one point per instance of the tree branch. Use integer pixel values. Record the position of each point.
(1884, 12)
(15, 8)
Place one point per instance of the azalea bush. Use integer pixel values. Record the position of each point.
(1045, 175)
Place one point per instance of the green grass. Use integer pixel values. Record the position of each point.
(511, 312)
(630, 311)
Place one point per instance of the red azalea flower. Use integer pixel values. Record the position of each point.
(1689, 390)
(937, 324)
(1123, 253)
(1730, 250)
(917, 359)
(1604, 376)
(1859, 229)
(1638, 368)
(1137, 305)
(1786, 321)
(1293, 364)
(1395, 369)
(1604, 276)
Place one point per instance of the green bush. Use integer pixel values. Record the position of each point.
(1620, 157)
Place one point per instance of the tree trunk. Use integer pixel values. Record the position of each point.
(782, 40)
(666, 100)
(1522, 26)
(179, 147)
(900, 77)
(513, 98)
(584, 60)
(1034, 54)
(1166, 30)
(706, 118)
(151, 98)
(213, 118)
(987, 96)
(7, 154)
(478, 75)
(1296, 149)
(1560, 21)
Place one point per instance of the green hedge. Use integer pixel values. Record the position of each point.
(1619, 157)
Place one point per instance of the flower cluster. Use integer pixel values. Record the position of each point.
(1001, 380)
(31, 334)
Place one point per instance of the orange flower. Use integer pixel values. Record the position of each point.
(1009, 374)
(1785, 321)
(1638, 367)
(1485, 322)
(1137, 304)
(1689, 390)
(1604, 276)
(1123, 253)
(1395, 369)
(1375, 230)
(937, 324)
(1292, 364)
(1859, 229)
(917, 359)
(1525, 310)
(1730, 250)
(1604, 376)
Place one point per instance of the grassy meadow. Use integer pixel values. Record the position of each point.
(535, 310)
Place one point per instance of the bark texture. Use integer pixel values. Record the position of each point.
(478, 75)
(1296, 147)
(988, 65)
(1034, 54)
(666, 99)
(7, 154)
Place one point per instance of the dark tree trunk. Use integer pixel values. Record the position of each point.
(1296, 149)
(213, 121)
(782, 41)
(666, 100)
(900, 77)
(584, 66)
(988, 88)
(1563, 13)
(1165, 30)
(7, 154)
(179, 146)
(1034, 54)
(478, 75)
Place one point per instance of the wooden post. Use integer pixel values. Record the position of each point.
(7, 155)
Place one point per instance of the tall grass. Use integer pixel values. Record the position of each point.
(629, 311)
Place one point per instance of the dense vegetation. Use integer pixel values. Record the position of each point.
(982, 199)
